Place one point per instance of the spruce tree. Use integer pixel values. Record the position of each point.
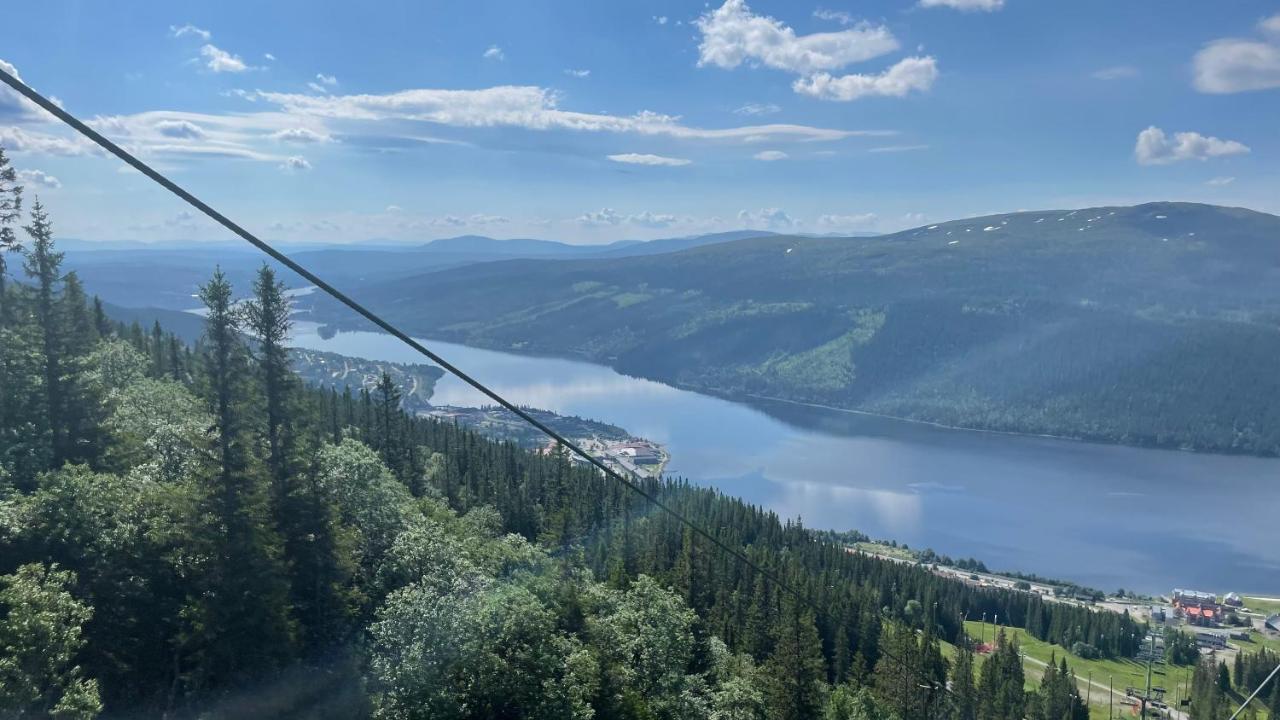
(10, 211)
(964, 700)
(44, 265)
(796, 670)
(242, 626)
(267, 314)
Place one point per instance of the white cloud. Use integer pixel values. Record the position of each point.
(1232, 66)
(179, 129)
(1220, 181)
(1115, 72)
(758, 109)
(861, 221)
(576, 73)
(328, 80)
(300, 135)
(219, 60)
(732, 35)
(39, 177)
(647, 159)
(529, 107)
(767, 218)
(611, 217)
(494, 53)
(481, 219)
(966, 5)
(189, 29)
(16, 107)
(1270, 26)
(393, 209)
(1156, 148)
(770, 155)
(908, 74)
(660, 19)
(16, 139)
(269, 56)
(295, 162)
(840, 16)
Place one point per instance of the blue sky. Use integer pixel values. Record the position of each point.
(597, 121)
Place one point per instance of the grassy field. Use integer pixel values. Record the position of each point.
(875, 548)
(1121, 673)
(1264, 605)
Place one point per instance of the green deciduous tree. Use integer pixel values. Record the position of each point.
(40, 638)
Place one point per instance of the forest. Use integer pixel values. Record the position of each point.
(1149, 325)
(188, 530)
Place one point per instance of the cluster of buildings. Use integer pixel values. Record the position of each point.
(1198, 608)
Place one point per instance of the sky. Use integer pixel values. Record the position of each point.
(590, 122)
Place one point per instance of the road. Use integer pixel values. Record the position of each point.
(1121, 698)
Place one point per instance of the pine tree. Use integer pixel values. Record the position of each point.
(242, 626)
(43, 264)
(964, 700)
(1000, 690)
(795, 670)
(10, 211)
(268, 319)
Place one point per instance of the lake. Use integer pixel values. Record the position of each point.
(1106, 516)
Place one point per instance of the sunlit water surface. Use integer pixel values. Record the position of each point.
(1102, 515)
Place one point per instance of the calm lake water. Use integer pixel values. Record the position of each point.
(1102, 515)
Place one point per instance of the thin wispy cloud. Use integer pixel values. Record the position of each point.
(758, 109)
(189, 29)
(964, 5)
(770, 155)
(577, 73)
(494, 53)
(647, 159)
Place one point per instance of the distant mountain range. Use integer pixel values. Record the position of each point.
(167, 274)
(1157, 324)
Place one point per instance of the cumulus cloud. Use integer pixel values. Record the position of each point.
(269, 57)
(758, 109)
(860, 221)
(908, 74)
(494, 53)
(1220, 181)
(966, 5)
(220, 61)
(189, 29)
(1232, 66)
(14, 107)
(611, 217)
(300, 135)
(529, 107)
(647, 159)
(770, 155)
(295, 162)
(732, 34)
(576, 73)
(1115, 72)
(39, 177)
(1154, 147)
(767, 218)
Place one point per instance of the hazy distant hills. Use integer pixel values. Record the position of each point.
(168, 275)
(1154, 324)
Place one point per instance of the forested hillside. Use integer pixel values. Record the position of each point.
(189, 531)
(1156, 324)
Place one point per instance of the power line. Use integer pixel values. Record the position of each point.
(93, 135)
(386, 326)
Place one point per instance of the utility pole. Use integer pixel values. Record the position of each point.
(1088, 689)
(1111, 697)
